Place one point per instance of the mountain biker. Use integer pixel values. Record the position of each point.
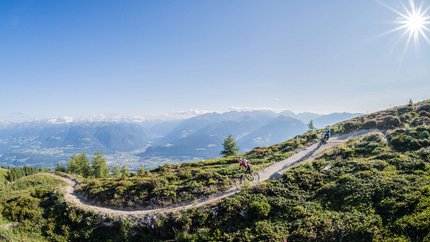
(327, 134)
(245, 164)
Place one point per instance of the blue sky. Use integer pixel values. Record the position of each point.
(83, 58)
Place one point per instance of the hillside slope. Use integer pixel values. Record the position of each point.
(375, 187)
(270, 172)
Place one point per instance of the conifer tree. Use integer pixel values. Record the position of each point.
(99, 166)
(15, 173)
(79, 164)
(230, 146)
(311, 125)
(141, 171)
(116, 172)
(60, 168)
(84, 165)
(72, 165)
(125, 171)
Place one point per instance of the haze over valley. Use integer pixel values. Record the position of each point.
(153, 142)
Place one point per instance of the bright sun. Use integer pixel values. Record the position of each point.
(414, 21)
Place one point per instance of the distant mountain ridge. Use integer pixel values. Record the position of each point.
(202, 136)
(276, 131)
(45, 143)
(329, 119)
(321, 120)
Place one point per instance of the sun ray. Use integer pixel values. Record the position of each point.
(426, 38)
(391, 31)
(414, 20)
(400, 39)
(392, 9)
(407, 45)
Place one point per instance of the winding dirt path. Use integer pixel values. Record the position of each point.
(272, 172)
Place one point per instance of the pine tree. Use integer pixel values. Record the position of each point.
(72, 165)
(99, 166)
(116, 172)
(60, 168)
(79, 164)
(141, 171)
(311, 125)
(125, 171)
(230, 146)
(84, 165)
(412, 104)
(15, 173)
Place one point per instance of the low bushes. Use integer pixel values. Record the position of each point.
(410, 139)
(169, 184)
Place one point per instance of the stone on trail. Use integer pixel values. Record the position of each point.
(276, 176)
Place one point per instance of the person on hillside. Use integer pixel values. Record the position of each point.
(327, 134)
(245, 164)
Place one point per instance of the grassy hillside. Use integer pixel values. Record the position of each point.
(22, 207)
(2, 176)
(368, 189)
(171, 184)
(2, 173)
(373, 188)
(32, 209)
(376, 188)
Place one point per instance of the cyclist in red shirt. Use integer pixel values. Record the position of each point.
(245, 164)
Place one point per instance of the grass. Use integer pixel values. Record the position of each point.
(375, 189)
(172, 184)
(3, 175)
(3, 181)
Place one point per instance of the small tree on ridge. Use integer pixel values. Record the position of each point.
(230, 146)
(311, 125)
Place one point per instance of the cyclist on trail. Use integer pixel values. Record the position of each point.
(327, 134)
(245, 164)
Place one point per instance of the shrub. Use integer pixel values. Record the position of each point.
(424, 107)
(424, 153)
(409, 139)
(408, 164)
(424, 113)
(22, 208)
(369, 124)
(388, 122)
(259, 209)
(266, 231)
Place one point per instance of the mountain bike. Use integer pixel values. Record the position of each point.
(246, 177)
(323, 141)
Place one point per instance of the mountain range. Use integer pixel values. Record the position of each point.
(45, 143)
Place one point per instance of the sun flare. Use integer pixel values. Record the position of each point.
(414, 21)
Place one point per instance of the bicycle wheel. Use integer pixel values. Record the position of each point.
(256, 176)
(249, 177)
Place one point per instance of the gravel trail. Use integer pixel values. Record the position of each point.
(272, 172)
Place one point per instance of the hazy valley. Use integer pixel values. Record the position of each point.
(151, 143)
